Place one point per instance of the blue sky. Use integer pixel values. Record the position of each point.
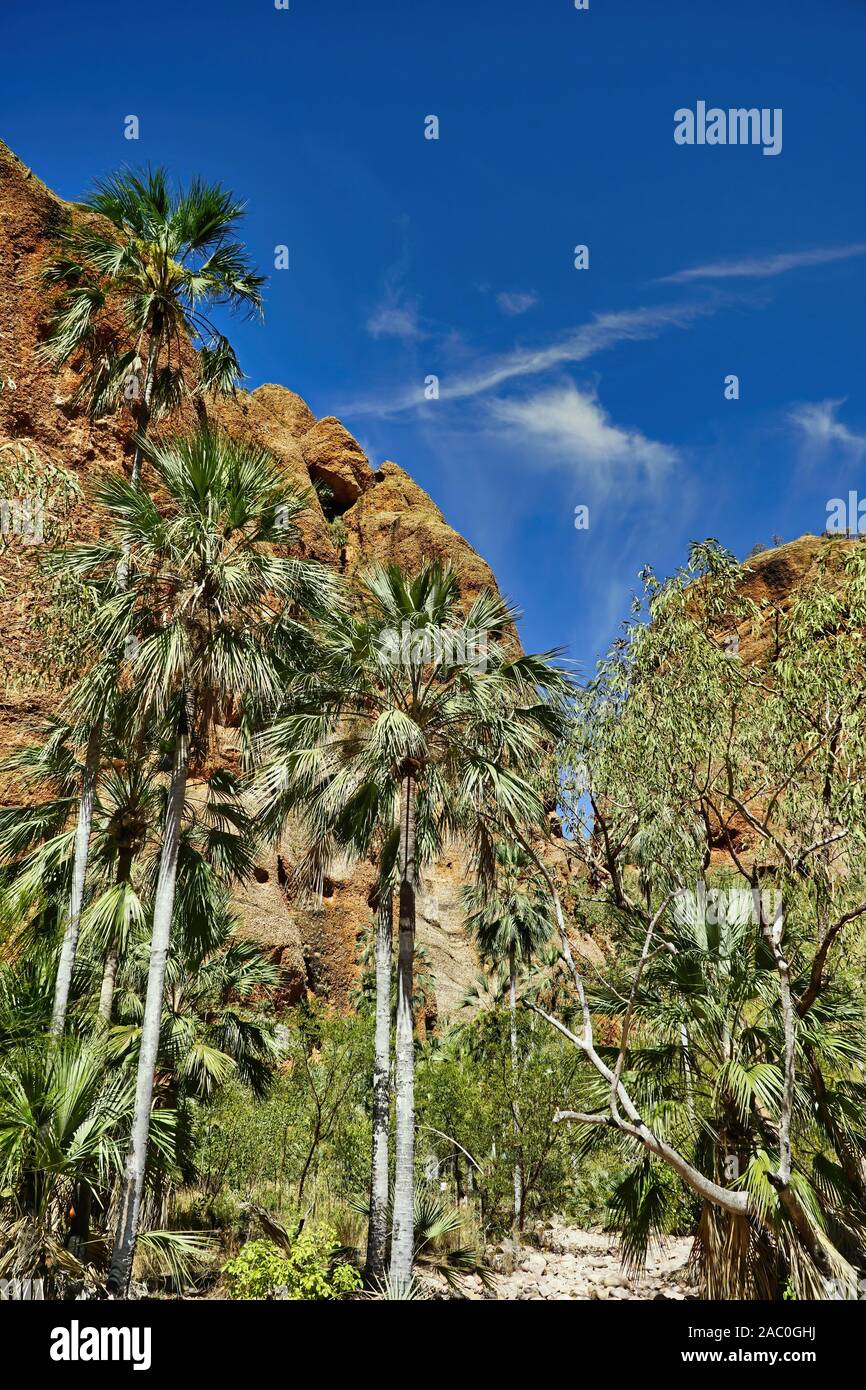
(455, 257)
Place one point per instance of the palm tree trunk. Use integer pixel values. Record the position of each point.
(377, 1231)
(143, 419)
(79, 1226)
(79, 874)
(512, 1004)
(112, 955)
(141, 423)
(402, 1236)
(133, 1182)
(106, 990)
(687, 1072)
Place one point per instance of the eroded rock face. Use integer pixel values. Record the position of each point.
(290, 413)
(387, 517)
(335, 458)
(395, 520)
(776, 577)
(328, 932)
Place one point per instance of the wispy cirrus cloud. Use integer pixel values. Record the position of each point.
(394, 318)
(761, 267)
(490, 373)
(819, 429)
(572, 429)
(397, 315)
(513, 303)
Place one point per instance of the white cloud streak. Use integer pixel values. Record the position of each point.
(761, 267)
(604, 332)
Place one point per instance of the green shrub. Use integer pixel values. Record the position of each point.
(306, 1272)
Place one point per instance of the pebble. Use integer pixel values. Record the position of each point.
(566, 1263)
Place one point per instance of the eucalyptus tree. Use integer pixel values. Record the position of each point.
(509, 920)
(143, 264)
(421, 716)
(210, 612)
(692, 762)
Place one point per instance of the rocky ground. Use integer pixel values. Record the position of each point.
(567, 1263)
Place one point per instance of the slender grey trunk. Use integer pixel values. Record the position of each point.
(377, 1231)
(141, 424)
(112, 955)
(687, 1070)
(79, 874)
(512, 1003)
(144, 413)
(133, 1181)
(403, 1232)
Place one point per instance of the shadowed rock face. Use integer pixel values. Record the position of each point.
(336, 460)
(386, 517)
(775, 577)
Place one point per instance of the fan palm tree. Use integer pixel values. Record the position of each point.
(705, 1044)
(138, 276)
(215, 851)
(419, 718)
(207, 1033)
(214, 614)
(210, 1028)
(510, 921)
(129, 802)
(60, 1134)
(35, 846)
(26, 990)
(63, 1116)
(37, 851)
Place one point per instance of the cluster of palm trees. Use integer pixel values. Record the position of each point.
(395, 758)
(206, 620)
